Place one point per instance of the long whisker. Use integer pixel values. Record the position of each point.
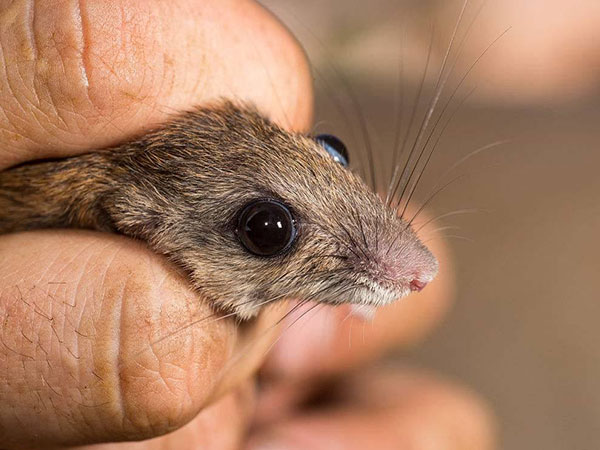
(400, 86)
(409, 223)
(355, 105)
(475, 152)
(245, 349)
(438, 230)
(463, 160)
(338, 292)
(449, 214)
(393, 186)
(439, 87)
(312, 308)
(311, 257)
(204, 320)
(336, 102)
(435, 146)
(353, 241)
(433, 195)
(352, 247)
(362, 230)
(364, 131)
(455, 165)
(459, 85)
(452, 236)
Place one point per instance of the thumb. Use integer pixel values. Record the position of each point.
(103, 340)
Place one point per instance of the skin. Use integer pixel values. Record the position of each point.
(79, 310)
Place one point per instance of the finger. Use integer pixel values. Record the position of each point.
(81, 75)
(103, 340)
(386, 410)
(330, 340)
(552, 60)
(221, 426)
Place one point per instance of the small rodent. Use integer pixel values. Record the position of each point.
(252, 213)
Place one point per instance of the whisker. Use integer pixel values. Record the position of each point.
(367, 141)
(453, 236)
(314, 129)
(439, 86)
(393, 187)
(362, 230)
(377, 236)
(217, 317)
(245, 349)
(432, 196)
(400, 86)
(350, 247)
(449, 214)
(337, 103)
(353, 241)
(310, 258)
(462, 80)
(328, 88)
(474, 153)
(420, 210)
(459, 162)
(435, 146)
(438, 230)
(312, 308)
(295, 308)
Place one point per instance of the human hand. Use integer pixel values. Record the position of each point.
(547, 53)
(84, 314)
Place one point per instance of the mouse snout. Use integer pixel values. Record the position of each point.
(408, 268)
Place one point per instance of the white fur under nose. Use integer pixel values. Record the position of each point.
(363, 312)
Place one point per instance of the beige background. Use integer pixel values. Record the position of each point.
(524, 331)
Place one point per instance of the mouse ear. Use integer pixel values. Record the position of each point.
(335, 147)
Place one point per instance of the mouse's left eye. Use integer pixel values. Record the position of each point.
(334, 147)
(266, 228)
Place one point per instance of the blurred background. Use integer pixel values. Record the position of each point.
(524, 330)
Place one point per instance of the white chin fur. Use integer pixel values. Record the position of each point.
(363, 312)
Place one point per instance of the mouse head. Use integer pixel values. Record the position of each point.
(257, 214)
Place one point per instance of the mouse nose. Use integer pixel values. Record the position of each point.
(417, 285)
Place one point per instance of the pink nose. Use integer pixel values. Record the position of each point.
(417, 285)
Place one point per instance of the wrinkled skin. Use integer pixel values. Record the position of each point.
(78, 307)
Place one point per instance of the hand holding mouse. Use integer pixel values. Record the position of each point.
(77, 306)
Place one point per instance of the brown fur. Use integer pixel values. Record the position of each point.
(180, 188)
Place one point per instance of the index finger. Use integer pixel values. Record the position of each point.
(85, 75)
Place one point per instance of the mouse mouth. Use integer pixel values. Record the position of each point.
(367, 297)
(375, 294)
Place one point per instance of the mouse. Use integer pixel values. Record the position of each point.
(250, 212)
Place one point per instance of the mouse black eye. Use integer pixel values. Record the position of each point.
(266, 228)
(334, 147)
